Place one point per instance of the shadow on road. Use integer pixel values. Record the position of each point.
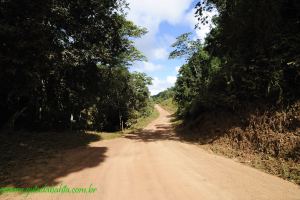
(47, 171)
(40, 159)
(160, 132)
(184, 132)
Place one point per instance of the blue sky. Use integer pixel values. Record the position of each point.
(165, 20)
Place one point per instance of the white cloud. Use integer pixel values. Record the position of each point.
(159, 85)
(146, 67)
(171, 79)
(177, 69)
(160, 54)
(150, 14)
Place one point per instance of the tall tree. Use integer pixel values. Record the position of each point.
(57, 58)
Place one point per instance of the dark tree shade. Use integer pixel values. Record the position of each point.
(63, 58)
(251, 55)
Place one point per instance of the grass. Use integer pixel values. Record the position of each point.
(106, 135)
(109, 136)
(141, 123)
(144, 121)
(286, 169)
(169, 105)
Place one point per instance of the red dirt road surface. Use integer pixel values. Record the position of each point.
(156, 165)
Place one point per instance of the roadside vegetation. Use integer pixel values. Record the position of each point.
(238, 91)
(144, 121)
(169, 105)
(166, 100)
(65, 64)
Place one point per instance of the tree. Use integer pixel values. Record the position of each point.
(57, 59)
(184, 46)
(261, 55)
(251, 56)
(195, 76)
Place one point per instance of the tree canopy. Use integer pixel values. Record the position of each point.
(68, 58)
(252, 54)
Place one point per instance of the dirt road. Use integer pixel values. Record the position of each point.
(156, 165)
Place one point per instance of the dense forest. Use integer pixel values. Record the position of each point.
(64, 62)
(251, 55)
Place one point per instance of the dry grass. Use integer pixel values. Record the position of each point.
(267, 140)
(169, 105)
(286, 169)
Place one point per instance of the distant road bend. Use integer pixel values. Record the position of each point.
(155, 165)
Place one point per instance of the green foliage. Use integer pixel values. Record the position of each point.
(63, 58)
(194, 79)
(166, 99)
(140, 103)
(185, 47)
(169, 105)
(142, 120)
(256, 55)
(166, 94)
(251, 55)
